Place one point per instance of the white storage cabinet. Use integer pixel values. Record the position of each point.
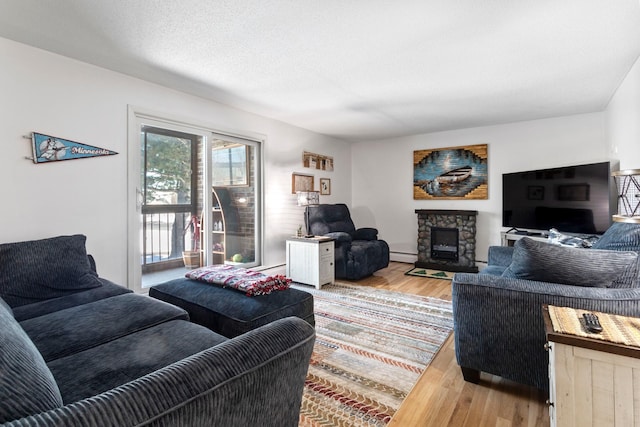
(311, 260)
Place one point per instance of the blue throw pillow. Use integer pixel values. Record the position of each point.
(544, 262)
(42, 269)
(27, 386)
(621, 236)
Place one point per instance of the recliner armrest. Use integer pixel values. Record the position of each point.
(366, 233)
(340, 237)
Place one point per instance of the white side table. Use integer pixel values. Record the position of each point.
(310, 260)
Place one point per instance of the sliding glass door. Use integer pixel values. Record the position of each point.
(190, 190)
(234, 220)
(168, 179)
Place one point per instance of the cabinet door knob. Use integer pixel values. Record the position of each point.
(548, 402)
(547, 347)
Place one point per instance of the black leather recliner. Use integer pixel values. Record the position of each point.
(358, 252)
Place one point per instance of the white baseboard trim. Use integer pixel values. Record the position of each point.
(271, 269)
(412, 258)
(403, 257)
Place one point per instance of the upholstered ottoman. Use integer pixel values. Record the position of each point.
(230, 312)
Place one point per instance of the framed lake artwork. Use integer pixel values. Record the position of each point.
(454, 173)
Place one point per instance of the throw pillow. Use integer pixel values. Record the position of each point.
(42, 269)
(27, 386)
(541, 261)
(558, 238)
(621, 236)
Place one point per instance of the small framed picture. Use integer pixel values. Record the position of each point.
(301, 182)
(535, 192)
(325, 186)
(573, 192)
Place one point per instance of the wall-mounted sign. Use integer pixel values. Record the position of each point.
(317, 161)
(48, 148)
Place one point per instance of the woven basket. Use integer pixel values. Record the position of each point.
(191, 259)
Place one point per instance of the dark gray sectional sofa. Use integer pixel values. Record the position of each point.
(78, 350)
(498, 322)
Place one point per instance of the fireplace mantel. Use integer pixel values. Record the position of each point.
(464, 221)
(444, 212)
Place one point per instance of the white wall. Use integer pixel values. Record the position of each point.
(55, 95)
(383, 173)
(623, 121)
(51, 94)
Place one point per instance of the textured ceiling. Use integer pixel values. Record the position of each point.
(355, 69)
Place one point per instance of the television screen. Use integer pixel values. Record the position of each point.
(573, 199)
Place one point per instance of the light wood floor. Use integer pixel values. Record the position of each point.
(442, 397)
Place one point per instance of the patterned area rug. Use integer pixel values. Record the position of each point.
(371, 347)
(433, 274)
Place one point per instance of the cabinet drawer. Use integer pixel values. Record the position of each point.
(326, 258)
(326, 251)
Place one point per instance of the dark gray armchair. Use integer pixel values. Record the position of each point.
(498, 323)
(358, 252)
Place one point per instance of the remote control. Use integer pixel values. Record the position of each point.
(592, 323)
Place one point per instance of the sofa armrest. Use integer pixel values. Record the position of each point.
(366, 233)
(551, 293)
(500, 256)
(498, 323)
(255, 379)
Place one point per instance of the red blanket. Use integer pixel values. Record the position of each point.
(250, 282)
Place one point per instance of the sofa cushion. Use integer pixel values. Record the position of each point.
(544, 262)
(75, 329)
(40, 308)
(41, 269)
(117, 362)
(26, 384)
(621, 236)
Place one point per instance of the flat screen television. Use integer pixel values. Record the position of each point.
(573, 199)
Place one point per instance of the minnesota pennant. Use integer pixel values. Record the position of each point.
(48, 148)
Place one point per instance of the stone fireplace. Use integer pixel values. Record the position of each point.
(444, 243)
(447, 240)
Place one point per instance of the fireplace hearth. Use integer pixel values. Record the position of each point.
(447, 240)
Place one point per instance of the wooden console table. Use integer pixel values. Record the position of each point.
(591, 382)
(509, 239)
